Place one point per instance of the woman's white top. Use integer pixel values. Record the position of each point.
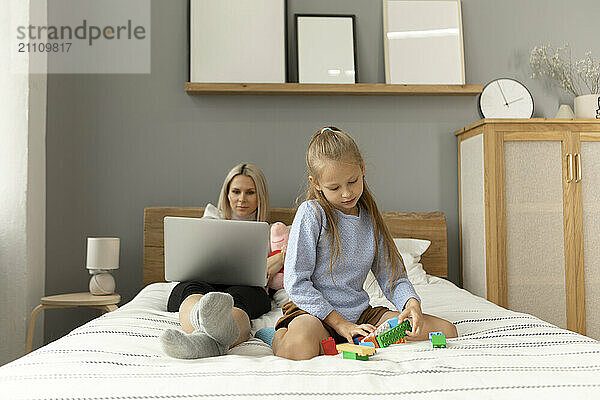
(213, 212)
(210, 211)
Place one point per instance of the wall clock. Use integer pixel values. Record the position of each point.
(505, 98)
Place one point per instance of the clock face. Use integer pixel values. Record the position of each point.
(505, 98)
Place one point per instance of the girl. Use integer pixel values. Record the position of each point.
(217, 317)
(337, 236)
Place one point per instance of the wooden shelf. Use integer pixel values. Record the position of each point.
(358, 89)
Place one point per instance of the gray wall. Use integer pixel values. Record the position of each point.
(119, 143)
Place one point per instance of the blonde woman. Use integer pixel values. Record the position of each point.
(337, 236)
(217, 317)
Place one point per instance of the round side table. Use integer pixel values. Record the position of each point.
(105, 303)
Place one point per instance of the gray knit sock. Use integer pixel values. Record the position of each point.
(215, 329)
(198, 344)
(212, 314)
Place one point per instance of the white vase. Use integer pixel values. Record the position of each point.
(565, 112)
(587, 106)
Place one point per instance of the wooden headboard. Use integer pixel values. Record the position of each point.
(430, 226)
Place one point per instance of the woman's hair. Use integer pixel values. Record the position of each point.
(331, 144)
(262, 191)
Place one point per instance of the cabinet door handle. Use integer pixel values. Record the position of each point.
(569, 167)
(578, 167)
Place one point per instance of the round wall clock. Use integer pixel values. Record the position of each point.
(505, 98)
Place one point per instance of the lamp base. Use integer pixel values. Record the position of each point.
(102, 284)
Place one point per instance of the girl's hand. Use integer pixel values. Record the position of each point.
(348, 330)
(412, 312)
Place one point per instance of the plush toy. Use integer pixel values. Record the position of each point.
(280, 234)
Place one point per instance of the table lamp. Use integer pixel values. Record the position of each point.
(102, 256)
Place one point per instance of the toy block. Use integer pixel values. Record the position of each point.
(371, 339)
(434, 333)
(401, 340)
(381, 329)
(360, 350)
(353, 356)
(406, 325)
(438, 341)
(393, 335)
(357, 339)
(329, 347)
(368, 344)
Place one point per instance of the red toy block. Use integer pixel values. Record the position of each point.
(329, 347)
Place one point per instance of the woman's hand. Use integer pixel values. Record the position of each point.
(412, 312)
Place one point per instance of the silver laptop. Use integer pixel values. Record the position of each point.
(216, 251)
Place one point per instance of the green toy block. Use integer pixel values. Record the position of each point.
(353, 356)
(438, 341)
(394, 334)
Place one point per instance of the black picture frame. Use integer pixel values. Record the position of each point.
(295, 49)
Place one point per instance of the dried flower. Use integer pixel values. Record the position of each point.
(579, 77)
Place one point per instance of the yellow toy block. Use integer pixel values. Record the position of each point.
(353, 348)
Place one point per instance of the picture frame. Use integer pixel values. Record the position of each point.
(423, 42)
(326, 51)
(238, 41)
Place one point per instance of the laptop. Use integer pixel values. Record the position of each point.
(216, 251)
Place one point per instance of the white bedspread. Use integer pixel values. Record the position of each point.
(499, 354)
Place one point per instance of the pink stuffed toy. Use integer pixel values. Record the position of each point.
(280, 234)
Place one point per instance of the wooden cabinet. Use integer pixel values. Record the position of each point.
(529, 212)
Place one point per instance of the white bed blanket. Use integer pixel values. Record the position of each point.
(499, 354)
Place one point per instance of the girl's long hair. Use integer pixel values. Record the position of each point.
(262, 191)
(331, 144)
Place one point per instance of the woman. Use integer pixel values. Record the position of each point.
(217, 317)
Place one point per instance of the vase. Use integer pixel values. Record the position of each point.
(565, 112)
(587, 106)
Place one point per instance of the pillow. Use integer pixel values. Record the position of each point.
(410, 251)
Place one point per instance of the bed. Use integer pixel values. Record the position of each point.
(499, 353)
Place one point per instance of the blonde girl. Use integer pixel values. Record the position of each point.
(337, 236)
(217, 317)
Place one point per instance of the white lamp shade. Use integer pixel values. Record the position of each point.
(102, 253)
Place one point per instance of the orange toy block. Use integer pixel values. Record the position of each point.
(372, 339)
(354, 348)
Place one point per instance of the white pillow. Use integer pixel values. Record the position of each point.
(411, 251)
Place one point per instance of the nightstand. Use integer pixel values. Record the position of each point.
(105, 303)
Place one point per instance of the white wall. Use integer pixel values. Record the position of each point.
(22, 190)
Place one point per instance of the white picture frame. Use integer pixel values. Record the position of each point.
(326, 48)
(423, 42)
(235, 41)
